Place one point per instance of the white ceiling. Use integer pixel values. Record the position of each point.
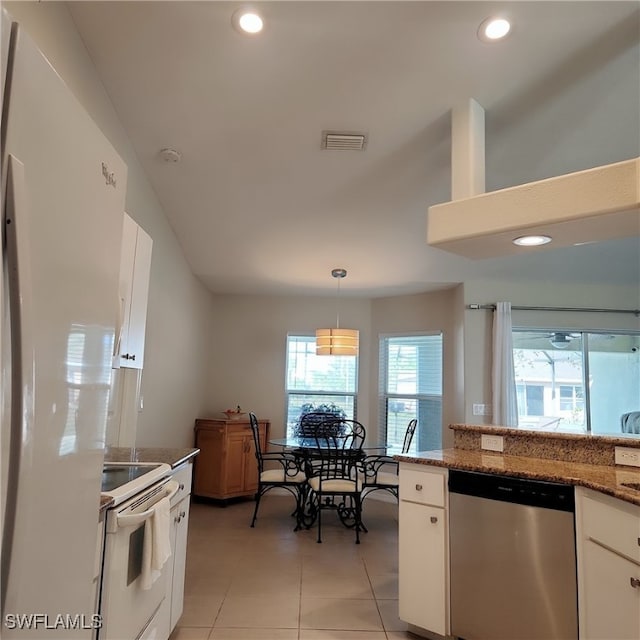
(259, 207)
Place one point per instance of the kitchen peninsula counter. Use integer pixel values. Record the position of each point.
(585, 461)
(173, 457)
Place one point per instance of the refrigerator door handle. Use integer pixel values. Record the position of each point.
(19, 296)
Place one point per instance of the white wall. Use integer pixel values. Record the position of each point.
(205, 354)
(428, 312)
(176, 350)
(248, 350)
(249, 340)
(477, 324)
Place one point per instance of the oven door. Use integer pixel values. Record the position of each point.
(127, 609)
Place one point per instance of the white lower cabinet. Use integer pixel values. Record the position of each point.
(180, 525)
(608, 549)
(423, 548)
(172, 606)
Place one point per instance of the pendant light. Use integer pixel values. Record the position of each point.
(337, 342)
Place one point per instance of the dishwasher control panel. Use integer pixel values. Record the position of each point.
(535, 493)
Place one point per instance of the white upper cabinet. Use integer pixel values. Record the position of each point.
(135, 267)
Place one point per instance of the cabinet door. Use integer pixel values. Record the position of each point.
(139, 299)
(210, 463)
(611, 602)
(135, 267)
(236, 456)
(251, 463)
(422, 566)
(127, 259)
(179, 561)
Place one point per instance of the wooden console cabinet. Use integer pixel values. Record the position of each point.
(226, 466)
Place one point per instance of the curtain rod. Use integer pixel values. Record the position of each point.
(492, 307)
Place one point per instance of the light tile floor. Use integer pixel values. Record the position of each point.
(271, 583)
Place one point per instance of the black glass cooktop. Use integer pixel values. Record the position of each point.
(114, 476)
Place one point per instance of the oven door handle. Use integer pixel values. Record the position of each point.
(171, 488)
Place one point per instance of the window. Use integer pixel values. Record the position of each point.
(318, 379)
(578, 380)
(411, 387)
(571, 398)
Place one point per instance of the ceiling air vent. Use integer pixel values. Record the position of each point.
(342, 141)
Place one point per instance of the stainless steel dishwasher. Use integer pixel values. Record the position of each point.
(513, 558)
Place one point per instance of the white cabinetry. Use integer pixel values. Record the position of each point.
(135, 267)
(608, 548)
(423, 544)
(179, 518)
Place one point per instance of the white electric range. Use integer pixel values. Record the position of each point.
(129, 605)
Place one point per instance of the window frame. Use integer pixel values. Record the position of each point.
(385, 397)
(583, 401)
(288, 393)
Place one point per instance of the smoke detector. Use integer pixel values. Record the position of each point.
(343, 141)
(170, 155)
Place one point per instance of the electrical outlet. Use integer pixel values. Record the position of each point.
(492, 443)
(627, 455)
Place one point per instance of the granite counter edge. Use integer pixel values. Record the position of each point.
(437, 459)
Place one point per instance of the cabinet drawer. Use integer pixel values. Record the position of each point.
(613, 523)
(426, 487)
(182, 475)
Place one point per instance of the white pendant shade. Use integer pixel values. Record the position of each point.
(337, 342)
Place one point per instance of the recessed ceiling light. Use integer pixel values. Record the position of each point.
(531, 241)
(493, 29)
(247, 21)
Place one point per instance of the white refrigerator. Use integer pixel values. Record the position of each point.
(63, 190)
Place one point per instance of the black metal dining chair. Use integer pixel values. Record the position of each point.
(380, 472)
(283, 471)
(630, 422)
(316, 421)
(336, 480)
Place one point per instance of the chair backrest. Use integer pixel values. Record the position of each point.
(339, 448)
(255, 431)
(630, 422)
(313, 422)
(408, 435)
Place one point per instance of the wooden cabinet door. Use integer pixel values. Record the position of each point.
(251, 463)
(209, 465)
(422, 566)
(611, 602)
(227, 465)
(236, 454)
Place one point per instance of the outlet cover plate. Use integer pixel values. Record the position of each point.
(481, 409)
(492, 443)
(627, 455)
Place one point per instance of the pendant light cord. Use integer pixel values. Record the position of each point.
(338, 304)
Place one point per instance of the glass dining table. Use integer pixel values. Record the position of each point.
(306, 449)
(306, 446)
